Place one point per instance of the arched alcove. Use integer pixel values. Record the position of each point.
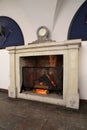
(10, 33)
(78, 25)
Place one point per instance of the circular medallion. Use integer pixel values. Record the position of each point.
(42, 32)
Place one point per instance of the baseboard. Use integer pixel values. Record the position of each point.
(83, 100)
(3, 90)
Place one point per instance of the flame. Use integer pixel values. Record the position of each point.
(41, 91)
(52, 60)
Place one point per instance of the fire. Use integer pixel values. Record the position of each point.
(41, 91)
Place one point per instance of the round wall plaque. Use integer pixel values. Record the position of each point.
(42, 32)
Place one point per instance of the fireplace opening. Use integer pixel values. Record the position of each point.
(42, 74)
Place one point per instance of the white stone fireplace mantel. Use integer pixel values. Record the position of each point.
(69, 49)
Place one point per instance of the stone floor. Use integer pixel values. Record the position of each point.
(18, 114)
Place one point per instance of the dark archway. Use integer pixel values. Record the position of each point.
(78, 26)
(10, 33)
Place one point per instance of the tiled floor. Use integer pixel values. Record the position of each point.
(18, 114)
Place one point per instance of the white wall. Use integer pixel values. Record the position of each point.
(83, 70)
(31, 14)
(4, 69)
(67, 11)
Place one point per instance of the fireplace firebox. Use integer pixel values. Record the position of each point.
(42, 74)
(46, 72)
(44, 78)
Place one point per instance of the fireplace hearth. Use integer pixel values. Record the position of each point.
(46, 72)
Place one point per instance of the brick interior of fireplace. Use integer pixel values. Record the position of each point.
(42, 74)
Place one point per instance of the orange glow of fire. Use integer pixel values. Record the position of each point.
(41, 91)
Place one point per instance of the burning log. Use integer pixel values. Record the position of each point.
(41, 87)
(47, 81)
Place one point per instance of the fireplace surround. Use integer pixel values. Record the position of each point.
(35, 57)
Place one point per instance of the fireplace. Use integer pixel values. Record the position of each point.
(45, 72)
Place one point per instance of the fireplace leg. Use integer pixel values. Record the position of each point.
(72, 101)
(12, 92)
